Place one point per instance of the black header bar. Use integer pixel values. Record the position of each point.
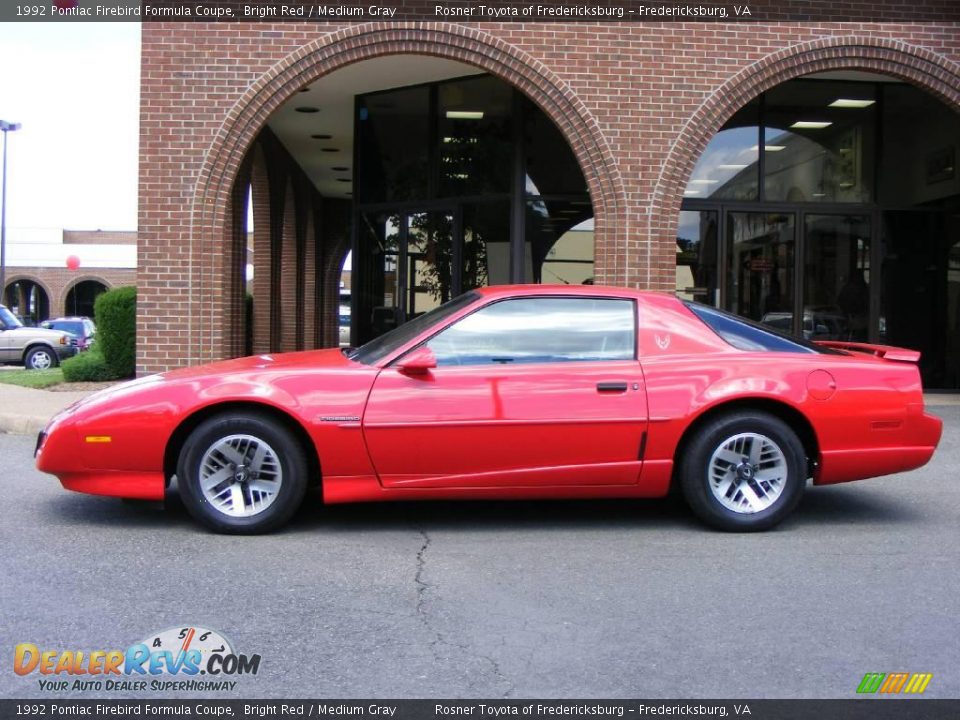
(323, 11)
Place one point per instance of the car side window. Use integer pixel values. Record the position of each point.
(538, 330)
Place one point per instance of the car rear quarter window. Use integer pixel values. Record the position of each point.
(540, 330)
(746, 335)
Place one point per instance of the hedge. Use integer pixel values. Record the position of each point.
(88, 366)
(116, 316)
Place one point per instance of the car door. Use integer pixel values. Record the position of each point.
(532, 391)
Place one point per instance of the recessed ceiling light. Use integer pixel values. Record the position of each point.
(770, 148)
(322, 137)
(329, 149)
(340, 168)
(851, 103)
(308, 109)
(465, 114)
(811, 124)
(731, 166)
(703, 181)
(691, 192)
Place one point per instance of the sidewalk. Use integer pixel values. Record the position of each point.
(25, 411)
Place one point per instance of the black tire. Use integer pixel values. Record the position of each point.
(731, 434)
(284, 448)
(40, 358)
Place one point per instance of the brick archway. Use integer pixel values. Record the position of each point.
(28, 277)
(65, 293)
(211, 199)
(931, 72)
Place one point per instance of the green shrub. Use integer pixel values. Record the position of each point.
(116, 316)
(88, 366)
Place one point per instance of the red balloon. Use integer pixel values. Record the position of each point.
(73, 262)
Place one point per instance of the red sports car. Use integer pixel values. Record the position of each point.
(510, 392)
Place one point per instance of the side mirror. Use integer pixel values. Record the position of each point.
(418, 362)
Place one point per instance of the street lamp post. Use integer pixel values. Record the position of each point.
(5, 127)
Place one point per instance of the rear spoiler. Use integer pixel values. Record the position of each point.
(885, 352)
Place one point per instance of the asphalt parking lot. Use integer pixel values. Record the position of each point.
(574, 599)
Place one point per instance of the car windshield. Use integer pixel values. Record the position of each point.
(380, 347)
(70, 326)
(745, 334)
(9, 319)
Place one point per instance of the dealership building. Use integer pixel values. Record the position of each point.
(802, 174)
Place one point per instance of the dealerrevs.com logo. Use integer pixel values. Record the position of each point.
(894, 683)
(189, 658)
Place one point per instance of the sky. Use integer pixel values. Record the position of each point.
(75, 89)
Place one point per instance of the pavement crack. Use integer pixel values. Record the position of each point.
(439, 639)
(418, 578)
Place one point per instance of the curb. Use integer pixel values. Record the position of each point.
(22, 425)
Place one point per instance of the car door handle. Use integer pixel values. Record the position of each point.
(611, 387)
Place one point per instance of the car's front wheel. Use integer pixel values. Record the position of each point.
(40, 358)
(743, 471)
(242, 473)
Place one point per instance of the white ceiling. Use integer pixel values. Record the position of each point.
(334, 95)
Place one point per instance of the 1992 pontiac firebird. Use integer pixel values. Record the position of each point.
(510, 392)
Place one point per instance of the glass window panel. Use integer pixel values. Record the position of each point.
(836, 279)
(429, 260)
(760, 267)
(551, 166)
(535, 330)
(728, 168)
(475, 136)
(921, 141)
(393, 138)
(697, 248)
(377, 269)
(559, 241)
(485, 258)
(816, 151)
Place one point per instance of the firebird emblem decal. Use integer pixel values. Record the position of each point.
(339, 418)
(663, 341)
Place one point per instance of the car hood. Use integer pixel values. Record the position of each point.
(30, 333)
(212, 374)
(312, 360)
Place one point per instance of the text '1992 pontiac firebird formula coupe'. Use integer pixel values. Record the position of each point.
(510, 392)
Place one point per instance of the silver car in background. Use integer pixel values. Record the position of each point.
(34, 348)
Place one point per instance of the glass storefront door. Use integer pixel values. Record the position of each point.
(760, 267)
(836, 277)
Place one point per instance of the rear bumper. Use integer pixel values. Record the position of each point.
(905, 447)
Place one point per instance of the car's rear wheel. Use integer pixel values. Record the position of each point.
(743, 471)
(40, 358)
(242, 473)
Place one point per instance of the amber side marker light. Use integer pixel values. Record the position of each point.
(99, 439)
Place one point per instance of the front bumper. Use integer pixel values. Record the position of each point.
(66, 351)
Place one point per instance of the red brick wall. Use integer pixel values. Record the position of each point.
(638, 103)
